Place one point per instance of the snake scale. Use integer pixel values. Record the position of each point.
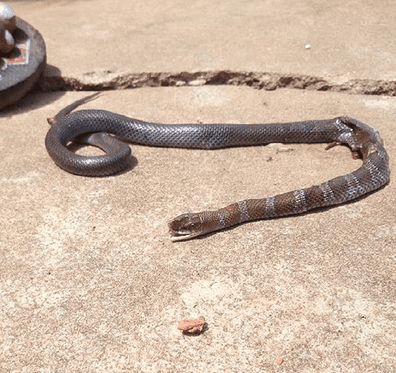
(93, 127)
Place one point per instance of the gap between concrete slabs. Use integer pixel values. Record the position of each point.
(107, 80)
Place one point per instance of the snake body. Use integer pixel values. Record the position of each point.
(92, 126)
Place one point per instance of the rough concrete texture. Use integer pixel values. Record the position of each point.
(89, 280)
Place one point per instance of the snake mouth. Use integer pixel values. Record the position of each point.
(180, 236)
(185, 226)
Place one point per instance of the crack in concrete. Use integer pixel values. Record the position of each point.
(109, 80)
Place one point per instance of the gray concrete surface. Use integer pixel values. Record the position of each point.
(90, 281)
(96, 40)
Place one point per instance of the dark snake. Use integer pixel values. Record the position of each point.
(93, 127)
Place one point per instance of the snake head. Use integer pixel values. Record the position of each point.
(186, 226)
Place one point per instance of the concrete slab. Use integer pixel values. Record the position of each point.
(89, 280)
(94, 42)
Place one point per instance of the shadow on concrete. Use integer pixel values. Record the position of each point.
(36, 98)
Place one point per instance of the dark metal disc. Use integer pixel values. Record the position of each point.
(20, 70)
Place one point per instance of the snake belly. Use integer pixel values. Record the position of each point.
(361, 139)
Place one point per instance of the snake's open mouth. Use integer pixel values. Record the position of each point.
(185, 226)
(180, 236)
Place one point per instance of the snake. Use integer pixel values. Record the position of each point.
(110, 132)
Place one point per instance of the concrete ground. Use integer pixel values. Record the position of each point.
(89, 279)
